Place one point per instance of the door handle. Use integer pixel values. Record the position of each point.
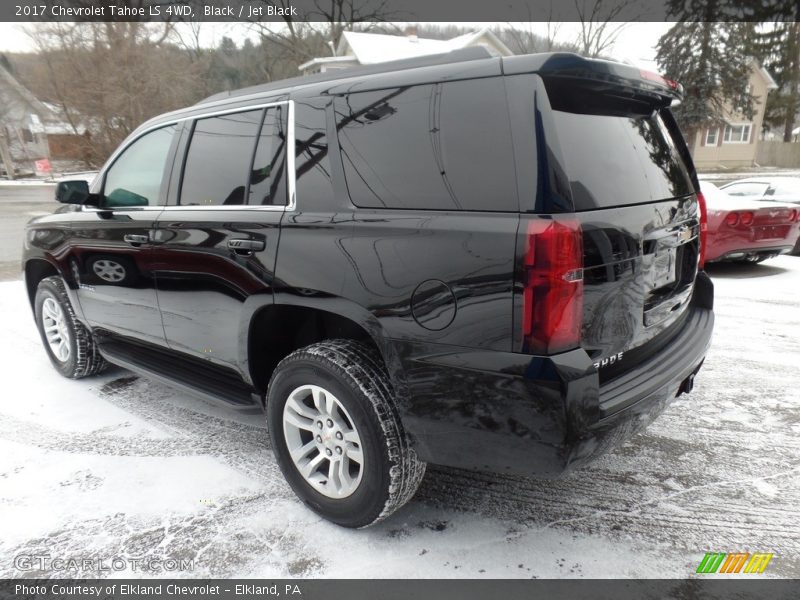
(136, 239)
(246, 246)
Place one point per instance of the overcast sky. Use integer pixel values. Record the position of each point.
(635, 43)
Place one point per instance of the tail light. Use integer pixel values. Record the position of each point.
(553, 293)
(732, 219)
(701, 203)
(793, 216)
(746, 218)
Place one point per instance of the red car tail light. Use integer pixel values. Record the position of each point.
(732, 219)
(747, 218)
(792, 216)
(553, 294)
(701, 203)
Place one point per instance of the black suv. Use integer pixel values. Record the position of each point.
(480, 262)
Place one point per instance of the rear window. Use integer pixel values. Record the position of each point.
(443, 146)
(617, 161)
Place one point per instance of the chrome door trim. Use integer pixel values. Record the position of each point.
(290, 163)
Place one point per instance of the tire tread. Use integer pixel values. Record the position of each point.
(361, 363)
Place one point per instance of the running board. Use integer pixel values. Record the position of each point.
(197, 377)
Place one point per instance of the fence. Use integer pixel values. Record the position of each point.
(778, 154)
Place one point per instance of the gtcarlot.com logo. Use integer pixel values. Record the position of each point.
(148, 564)
(736, 562)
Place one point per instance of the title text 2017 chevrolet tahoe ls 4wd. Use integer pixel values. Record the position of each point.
(481, 262)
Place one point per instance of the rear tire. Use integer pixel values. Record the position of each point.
(69, 345)
(332, 404)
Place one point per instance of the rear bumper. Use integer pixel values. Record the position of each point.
(542, 416)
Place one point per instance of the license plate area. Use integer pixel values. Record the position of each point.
(771, 232)
(662, 268)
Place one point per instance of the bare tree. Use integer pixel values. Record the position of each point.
(525, 41)
(599, 24)
(188, 38)
(320, 32)
(347, 15)
(107, 78)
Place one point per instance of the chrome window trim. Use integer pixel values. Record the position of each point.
(290, 163)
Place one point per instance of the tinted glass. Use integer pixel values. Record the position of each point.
(746, 189)
(135, 177)
(267, 181)
(312, 163)
(617, 161)
(444, 146)
(219, 159)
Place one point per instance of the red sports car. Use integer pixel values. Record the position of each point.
(745, 230)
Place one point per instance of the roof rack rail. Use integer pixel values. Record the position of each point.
(454, 56)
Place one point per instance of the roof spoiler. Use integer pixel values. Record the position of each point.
(598, 74)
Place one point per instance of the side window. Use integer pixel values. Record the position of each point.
(444, 146)
(219, 159)
(135, 177)
(312, 162)
(267, 177)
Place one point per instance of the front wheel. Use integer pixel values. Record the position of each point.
(68, 343)
(337, 436)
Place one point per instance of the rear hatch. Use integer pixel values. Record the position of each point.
(615, 156)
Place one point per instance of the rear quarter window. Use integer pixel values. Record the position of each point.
(442, 146)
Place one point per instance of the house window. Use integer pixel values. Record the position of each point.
(738, 133)
(711, 137)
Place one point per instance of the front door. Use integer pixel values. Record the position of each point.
(217, 245)
(112, 243)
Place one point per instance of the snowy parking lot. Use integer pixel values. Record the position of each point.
(120, 466)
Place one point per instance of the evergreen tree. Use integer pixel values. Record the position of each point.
(711, 60)
(778, 48)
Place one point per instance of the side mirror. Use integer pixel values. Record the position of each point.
(72, 192)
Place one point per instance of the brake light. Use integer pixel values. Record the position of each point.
(792, 216)
(553, 286)
(746, 218)
(732, 219)
(651, 76)
(701, 203)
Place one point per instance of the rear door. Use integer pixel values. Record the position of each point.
(113, 243)
(218, 239)
(617, 161)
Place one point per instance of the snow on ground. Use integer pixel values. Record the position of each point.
(122, 466)
(724, 176)
(87, 176)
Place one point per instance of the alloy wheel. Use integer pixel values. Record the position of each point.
(109, 270)
(323, 442)
(56, 329)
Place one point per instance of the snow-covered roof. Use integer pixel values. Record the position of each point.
(771, 85)
(328, 60)
(15, 95)
(371, 48)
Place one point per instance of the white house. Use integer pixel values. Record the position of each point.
(357, 48)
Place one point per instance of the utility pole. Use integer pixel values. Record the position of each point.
(5, 153)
